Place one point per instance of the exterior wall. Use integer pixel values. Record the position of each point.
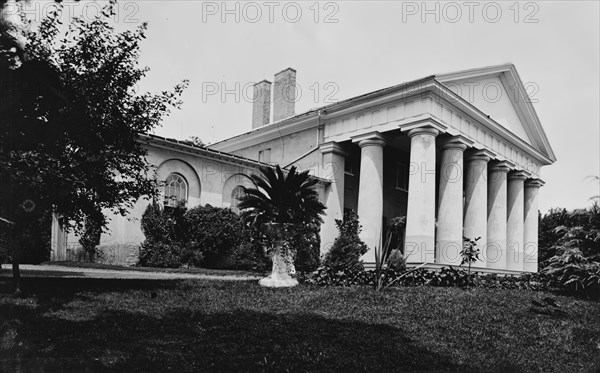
(210, 181)
(284, 149)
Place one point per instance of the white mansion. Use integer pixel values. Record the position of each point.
(458, 154)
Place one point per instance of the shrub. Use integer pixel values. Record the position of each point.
(163, 229)
(90, 238)
(307, 244)
(347, 248)
(212, 235)
(575, 267)
(160, 254)
(446, 276)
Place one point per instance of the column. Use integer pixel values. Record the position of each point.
(370, 191)
(333, 160)
(515, 219)
(495, 254)
(420, 214)
(475, 220)
(530, 234)
(450, 202)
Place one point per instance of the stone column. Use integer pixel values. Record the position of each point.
(495, 254)
(370, 191)
(475, 221)
(530, 234)
(332, 168)
(420, 215)
(515, 219)
(450, 202)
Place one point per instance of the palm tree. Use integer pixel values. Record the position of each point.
(280, 205)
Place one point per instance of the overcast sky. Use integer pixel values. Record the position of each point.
(341, 49)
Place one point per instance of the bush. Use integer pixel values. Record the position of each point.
(160, 254)
(347, 248)
(446, 276)
(213, 234)
(163, 229)
(307, 243)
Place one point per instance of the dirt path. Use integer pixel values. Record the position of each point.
(28, 270)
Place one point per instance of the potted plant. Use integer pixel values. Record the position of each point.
(281, 203)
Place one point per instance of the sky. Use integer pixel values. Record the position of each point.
(342, 49)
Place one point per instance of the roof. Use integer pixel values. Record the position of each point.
(526, 107)
(209, 153)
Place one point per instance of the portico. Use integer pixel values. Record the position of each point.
(454, 190)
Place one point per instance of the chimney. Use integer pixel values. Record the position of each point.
(284, 97)
(261, 101)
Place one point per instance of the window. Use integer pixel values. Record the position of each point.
(176, 190)
(402, 177)
(237, 193)
(264, 155)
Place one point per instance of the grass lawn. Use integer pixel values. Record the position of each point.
(79, 325)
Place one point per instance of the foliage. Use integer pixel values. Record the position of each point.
(288, 198)
(307, 245)
(211, 234)
(574, 272)
(90, 238)
(547, 235)
(469, 253)
(347, 248)
(289, 202)
(163, 229)
(69, 136)
(388, 257)
(445, 277)
(575, 265)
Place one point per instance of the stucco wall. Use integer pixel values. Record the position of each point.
(284, 149)
(210, 181)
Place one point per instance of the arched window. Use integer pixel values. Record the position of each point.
(236, 194)
(176, 191)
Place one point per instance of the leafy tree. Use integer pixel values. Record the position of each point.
(69, 136)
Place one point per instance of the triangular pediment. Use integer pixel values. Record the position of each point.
(498, 92)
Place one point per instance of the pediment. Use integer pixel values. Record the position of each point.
(498, 92)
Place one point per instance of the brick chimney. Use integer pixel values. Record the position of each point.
(261, 101)
(284, 96)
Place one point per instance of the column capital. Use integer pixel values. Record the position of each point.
(428, 121)
(500, 166)
(459, 142)
(534, 183)
(517, 175)
(480, 155)
(369, 139)
(425, 130)
(332, 147)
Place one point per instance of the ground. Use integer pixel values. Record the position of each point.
(98, 324)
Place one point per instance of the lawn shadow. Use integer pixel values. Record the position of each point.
(235, 341)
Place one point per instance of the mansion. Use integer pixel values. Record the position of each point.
(458, 154)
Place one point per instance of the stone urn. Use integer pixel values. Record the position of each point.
(283, 272)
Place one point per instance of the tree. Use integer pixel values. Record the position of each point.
(69, 136)
(281, 205)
